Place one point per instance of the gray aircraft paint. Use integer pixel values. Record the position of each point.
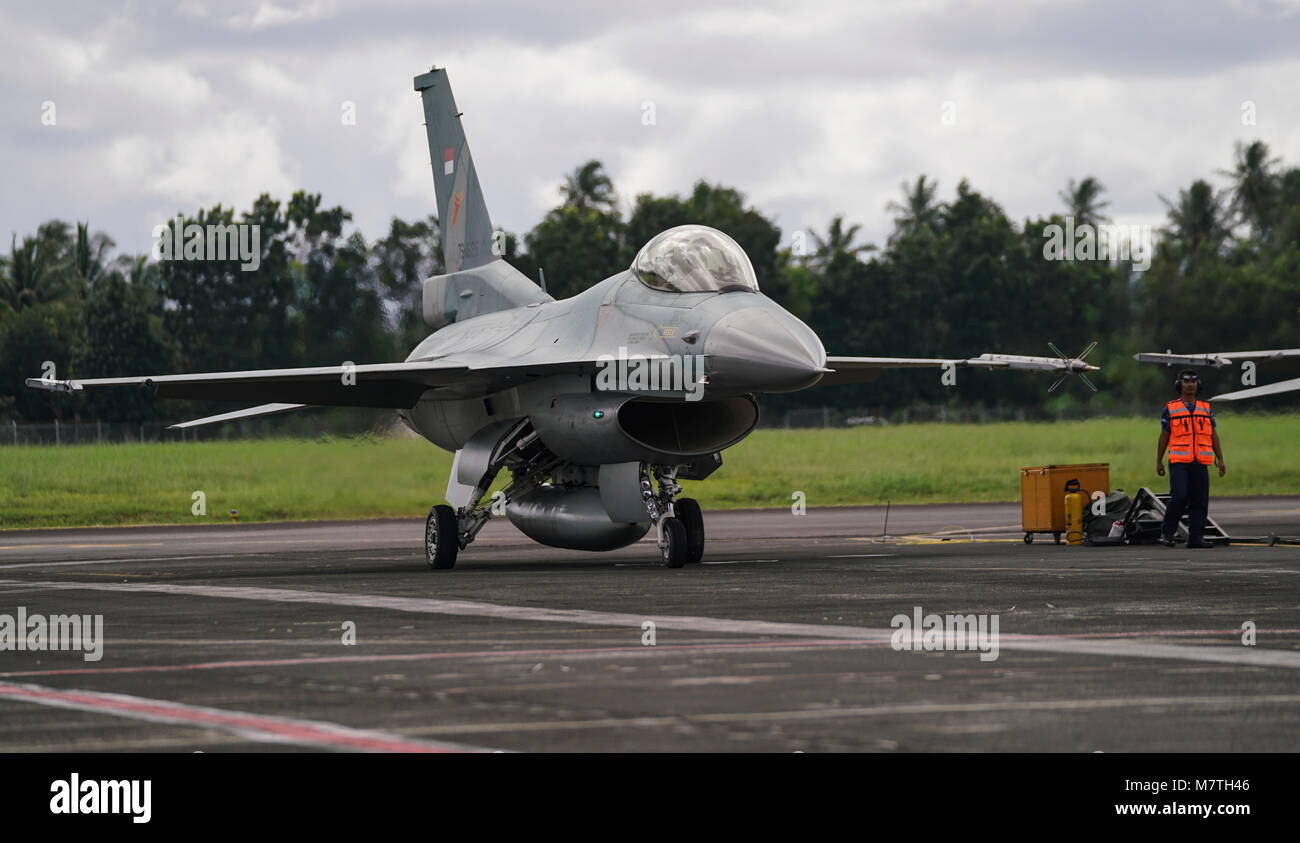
(503, 350)
(466, 227)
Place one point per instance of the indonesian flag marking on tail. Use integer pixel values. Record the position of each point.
(448, 163)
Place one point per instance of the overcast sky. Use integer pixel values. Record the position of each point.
(812, 109)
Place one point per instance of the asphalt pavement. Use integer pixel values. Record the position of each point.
(336, 636)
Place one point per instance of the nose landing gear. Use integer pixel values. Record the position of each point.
(680, 522)
(692, 518)
(673, 543)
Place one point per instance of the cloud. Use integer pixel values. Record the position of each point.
(812, 110)
(230, 161)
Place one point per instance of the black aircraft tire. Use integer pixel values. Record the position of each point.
(674, 550)
(692, 518)
(440, 541)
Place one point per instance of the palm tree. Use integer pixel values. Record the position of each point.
(917, 210)
(6, 287)
(88, 255)
(588, 187)
(838, 241)
(35, 272)
(1082, 201)
(1196, 219)
(137, 270)
(1254, 194)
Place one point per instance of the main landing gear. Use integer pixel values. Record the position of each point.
(440, 540)
(678, 522)
(447, 531)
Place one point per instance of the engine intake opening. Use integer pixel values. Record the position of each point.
(688, 428)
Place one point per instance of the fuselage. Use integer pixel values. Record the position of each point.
(741, 342)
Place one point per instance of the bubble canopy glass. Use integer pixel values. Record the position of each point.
(694, 259)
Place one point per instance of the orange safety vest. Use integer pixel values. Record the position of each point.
(1191, 434)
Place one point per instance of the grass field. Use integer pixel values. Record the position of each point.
(292, 479)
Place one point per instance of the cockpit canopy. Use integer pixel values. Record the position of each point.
(694, 259)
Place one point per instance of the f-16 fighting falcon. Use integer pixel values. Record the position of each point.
(597, 405)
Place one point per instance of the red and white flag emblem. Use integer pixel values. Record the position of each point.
(448, 163)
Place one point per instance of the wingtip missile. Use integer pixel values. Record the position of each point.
(53, 385)
(1218, 361)
(1023, 362)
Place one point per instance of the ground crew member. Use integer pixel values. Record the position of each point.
(1187, 428)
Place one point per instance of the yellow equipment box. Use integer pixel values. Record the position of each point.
(1042, 494)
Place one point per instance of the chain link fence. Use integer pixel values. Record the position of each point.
(937, 413)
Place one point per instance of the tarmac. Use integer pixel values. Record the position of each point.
(336, 636)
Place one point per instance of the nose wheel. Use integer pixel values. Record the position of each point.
(440, 539)
(692, 518)
(679, 520)
(674, 548)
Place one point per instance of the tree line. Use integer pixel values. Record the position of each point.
(956, 277)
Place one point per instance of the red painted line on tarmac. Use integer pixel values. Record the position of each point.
(251, 726)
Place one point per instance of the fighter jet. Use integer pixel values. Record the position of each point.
(597, 405)
(1219, 359)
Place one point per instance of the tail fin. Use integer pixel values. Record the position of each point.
(466, 228)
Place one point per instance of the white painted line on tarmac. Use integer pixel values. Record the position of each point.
(112, 561)
(1227, 654)
(1013, 707)
(80, 546)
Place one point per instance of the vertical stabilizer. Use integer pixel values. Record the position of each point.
(462, 213)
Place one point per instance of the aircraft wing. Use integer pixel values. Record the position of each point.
(1254, 392)
(383, 385)
(861, 369)
(1217, 359)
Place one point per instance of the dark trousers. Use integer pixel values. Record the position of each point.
(1189, 490)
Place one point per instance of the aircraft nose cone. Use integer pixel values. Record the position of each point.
(763, 349)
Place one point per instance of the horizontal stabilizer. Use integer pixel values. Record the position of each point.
(261, 410)
(1255, 392)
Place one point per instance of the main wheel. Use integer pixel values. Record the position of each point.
(674, 551)
(440, 540)
(688, 512)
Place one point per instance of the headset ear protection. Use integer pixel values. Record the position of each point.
(1178, 385)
